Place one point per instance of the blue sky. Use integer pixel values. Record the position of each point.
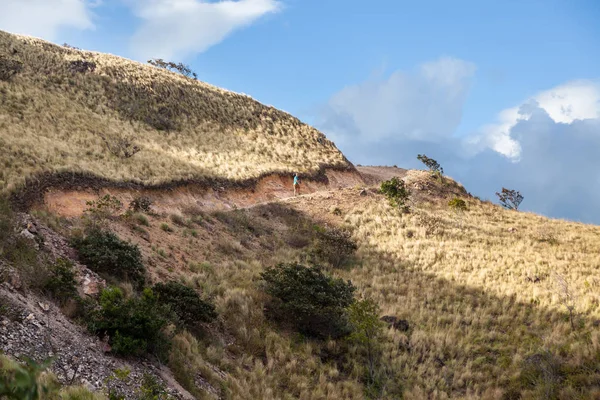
(471, 82)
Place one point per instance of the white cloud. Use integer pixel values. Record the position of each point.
(44, 18)
(573, 101)
(177, 28)
(546, 147)
(425, 104)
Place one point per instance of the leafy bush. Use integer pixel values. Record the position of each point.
(134, 326)
(396, 192)
(510, 199)
(457, 204)
(62, 285)
(32, 381)
(141, 204)
(104, 253)
(106, 207)
(185, 303)
(333, 246)
(24, 382)
(312, 302)
(152, 389)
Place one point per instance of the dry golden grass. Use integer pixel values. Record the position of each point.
(53, 119)
(481, 291)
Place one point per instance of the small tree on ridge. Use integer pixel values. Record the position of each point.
(510, 199)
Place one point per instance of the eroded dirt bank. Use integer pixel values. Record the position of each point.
(72, 202)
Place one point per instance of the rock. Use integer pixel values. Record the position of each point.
(398, 324)
(363, 192)
(91, 286)
(44, 306)
(31, 228)
(28, 235)
(512, 229)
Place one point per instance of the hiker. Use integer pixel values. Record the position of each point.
(296, 183)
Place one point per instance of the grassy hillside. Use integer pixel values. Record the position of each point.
(484, 295)
(66, 110)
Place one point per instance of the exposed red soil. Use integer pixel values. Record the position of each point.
(72, 203)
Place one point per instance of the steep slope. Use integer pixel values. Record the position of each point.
(478, 297)
(66, 114)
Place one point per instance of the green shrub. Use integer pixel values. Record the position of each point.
(104, 253)
(141, 204)
(457, 204)
(24, 382)
(312, 302)
(62, 285)
(134, 326)
(104, 208)
(396, 192)
(152, 389)
(185, 303)
(333, 246)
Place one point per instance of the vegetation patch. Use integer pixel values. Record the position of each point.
(106, 254)
(306, 298)
(185, 302)
(133, 325)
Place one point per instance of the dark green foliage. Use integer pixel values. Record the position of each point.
(152, 389)
(21, 382)
(457, 204)
(396, 192)
(133, 325)
(62, 285)
(333, 246)
(430, 163)
(104, 253)
(185, 302)
(179, 67)
(141, 204)
(9, 67)
(312, 302)
(510, 199)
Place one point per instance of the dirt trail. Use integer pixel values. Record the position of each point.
(72, 203)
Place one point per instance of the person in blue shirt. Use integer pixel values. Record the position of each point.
(296, 184)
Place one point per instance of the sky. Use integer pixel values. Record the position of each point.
(501, 93)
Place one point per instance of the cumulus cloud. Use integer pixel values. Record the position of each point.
(546, 147)
(577, 100)
(178, 28)
(44, 18)
(423, 105)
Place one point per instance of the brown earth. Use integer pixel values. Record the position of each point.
(72, 203)
(373, 175)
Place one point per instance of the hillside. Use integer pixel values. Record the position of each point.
(66, 114)
(188, 269)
